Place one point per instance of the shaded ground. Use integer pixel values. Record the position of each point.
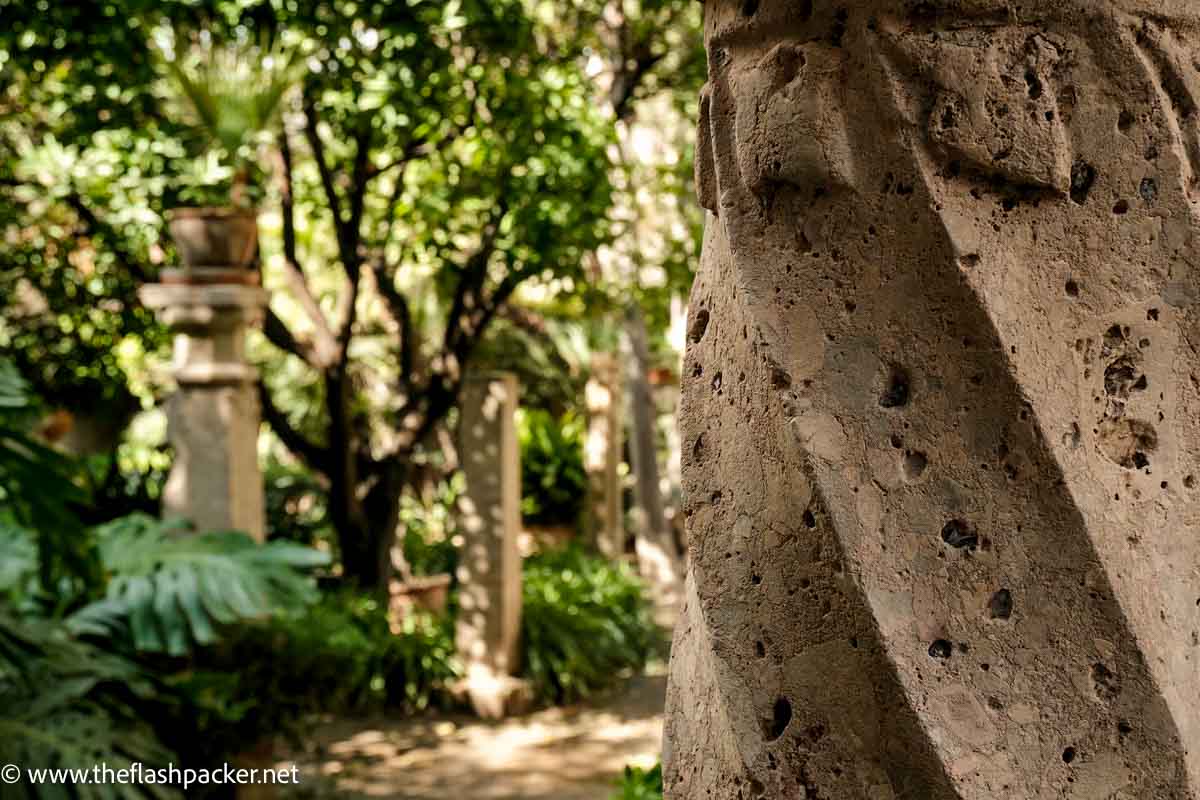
(574, 753)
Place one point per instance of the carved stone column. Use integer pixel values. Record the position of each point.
(213, 419)
(602, 455)
(489, 570)
(941, 412)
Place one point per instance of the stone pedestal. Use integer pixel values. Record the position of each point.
(213, 419)
(602, 456)
(941, 412)
(489, 571)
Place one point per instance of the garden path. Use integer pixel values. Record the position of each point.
(571, 753)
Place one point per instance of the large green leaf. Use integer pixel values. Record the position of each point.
(169, 589)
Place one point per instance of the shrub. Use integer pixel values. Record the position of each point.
(553, 479)
(641, 784)
(429, 522)
(586, 623)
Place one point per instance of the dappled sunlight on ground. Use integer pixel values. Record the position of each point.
(573, 753)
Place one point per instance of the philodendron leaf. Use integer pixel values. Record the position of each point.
(171, 590)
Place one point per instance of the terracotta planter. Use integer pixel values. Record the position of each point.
(215, 238)
(660, 376)
(426, 592)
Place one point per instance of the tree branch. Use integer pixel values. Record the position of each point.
(326, 343)
(313, 454)
(318, 151)
(400, 312)
(278, 334)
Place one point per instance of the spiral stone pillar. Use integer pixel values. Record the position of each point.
(941, 405)
(213, 419)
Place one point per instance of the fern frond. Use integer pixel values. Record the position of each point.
(57, 711)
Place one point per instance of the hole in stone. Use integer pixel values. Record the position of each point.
(1128, 442)
(1001, 604)
(749, 8)
(699, 325)
(1033, 84)
(1124, 728)
(810, 521)
(1189, 481)
(1125, 120)
(756, 579)
(760, 649)
(1120, 377)
(915, 463)
(716, 382)
(781, 715)
(1083, 177)
(1068, 755)
(1148, 189)
(1121, 207)
(1152, 315)
(780, 379)
(896, 394)
(896, 441)
(940, 649)
(1105, 682)
(959, 534)
(969, 261)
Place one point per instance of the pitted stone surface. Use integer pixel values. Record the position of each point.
(941, 424)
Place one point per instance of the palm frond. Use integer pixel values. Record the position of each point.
(233, 91)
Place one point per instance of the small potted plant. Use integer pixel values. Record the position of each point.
(231, 94)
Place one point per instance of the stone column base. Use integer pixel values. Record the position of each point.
(494, 696)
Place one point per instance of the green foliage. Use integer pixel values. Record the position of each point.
(585, 623)
(234, 90)
(553, 479)
(641, 784)
(36, 492)
(429, 524)
(295, 504)
(169, 591)
(233, 93)
(68, 704)
(339, 655)
(406, 665)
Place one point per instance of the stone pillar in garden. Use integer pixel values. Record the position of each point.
(213, 419)
(941, 412)
(489, 571)
(602, 455)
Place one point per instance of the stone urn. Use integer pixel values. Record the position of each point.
(215, 244)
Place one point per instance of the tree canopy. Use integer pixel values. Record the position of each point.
(431, 159)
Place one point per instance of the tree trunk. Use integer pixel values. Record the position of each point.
(658, 559)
